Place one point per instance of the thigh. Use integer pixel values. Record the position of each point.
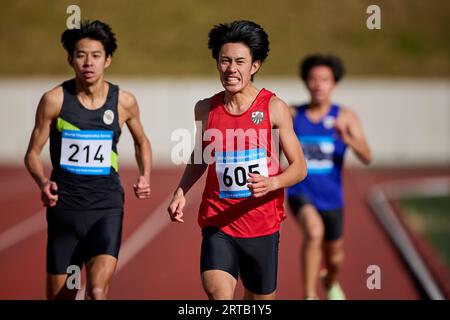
(64, 246)
(218, 252)
(105, 233)
(258, 261)
(57, 288)
(99, 271)
(297, 202)
(307, 216)
(218, 284)
(334, 223)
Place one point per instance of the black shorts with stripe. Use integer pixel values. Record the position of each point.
(75, 236)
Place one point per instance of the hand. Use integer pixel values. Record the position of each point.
(48, 198)
(343, 130)
(176, 206)
(260, 186)
(142, 187)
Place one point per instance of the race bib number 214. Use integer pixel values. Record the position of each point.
(86, 152)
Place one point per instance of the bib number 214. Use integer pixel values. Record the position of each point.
(86, 152)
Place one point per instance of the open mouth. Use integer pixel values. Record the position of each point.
(232, 80)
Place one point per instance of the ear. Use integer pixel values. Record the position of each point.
(255, 67)
(108, 61)
(70, 60)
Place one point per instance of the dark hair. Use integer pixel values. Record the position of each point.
(333, 62)
(247, 32)
(95, 30)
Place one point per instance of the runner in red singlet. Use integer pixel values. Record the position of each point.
(242, 204)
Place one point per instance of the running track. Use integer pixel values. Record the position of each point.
(160, 260)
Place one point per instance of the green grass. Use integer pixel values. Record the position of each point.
(168, 38)
(431, 217)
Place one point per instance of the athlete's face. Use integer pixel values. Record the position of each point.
(235, 66)
(320, 83)
(89, 60)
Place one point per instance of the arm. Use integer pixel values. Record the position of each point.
(351, 132)
(143, 151)
(47, 110)
(281, 118)
(193, 171)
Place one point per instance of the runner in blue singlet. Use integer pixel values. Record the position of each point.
(325, 130)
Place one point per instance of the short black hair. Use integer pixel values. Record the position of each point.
(331, 61)
(247, 32)
(95, 30)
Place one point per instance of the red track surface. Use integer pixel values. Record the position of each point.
(168, 266)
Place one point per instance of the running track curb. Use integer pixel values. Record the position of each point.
(379, 202)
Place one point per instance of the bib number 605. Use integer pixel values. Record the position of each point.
(239, 175)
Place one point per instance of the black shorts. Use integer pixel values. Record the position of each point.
(256, 259)
(74, 237)
(332, 219)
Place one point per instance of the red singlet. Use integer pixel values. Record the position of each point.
(227, 202)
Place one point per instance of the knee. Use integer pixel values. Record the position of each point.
(336, 256)
(218, 291)
(216, 294)
(96, 293)
(314, 235)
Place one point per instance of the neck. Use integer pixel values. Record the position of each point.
(92, 90)
(241, 100)
(319, 106)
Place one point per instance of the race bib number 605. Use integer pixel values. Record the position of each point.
(233, 167)
(86, 152)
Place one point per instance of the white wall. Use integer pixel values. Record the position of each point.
(407, 122)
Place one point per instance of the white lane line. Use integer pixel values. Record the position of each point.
(23, 230)
(144, 234)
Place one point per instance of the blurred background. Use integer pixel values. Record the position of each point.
(397, 80)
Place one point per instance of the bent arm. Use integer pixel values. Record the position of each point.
(193, 171)
(354, 137)
(47, 110)
(281, 117)
(142, 146)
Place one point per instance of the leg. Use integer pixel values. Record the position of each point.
(333, 245)
(57, 288)
(99, 272)
(334, 258)
(313, 230)
(258, 258)
(218, 284)
(333, 252)
(248, 295)
(102, 250)
(63, 250)
(218, 264)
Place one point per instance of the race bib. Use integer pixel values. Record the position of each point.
(86, 152)
(233, 167)
(318, 152)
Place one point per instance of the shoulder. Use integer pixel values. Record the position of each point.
(201, 108)
(54, 96)
(279, 111)
(347, 113)
(126, 99)
(51, 101)
(278, 106)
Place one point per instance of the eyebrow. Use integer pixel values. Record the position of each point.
(238, 58)
(84, 51)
